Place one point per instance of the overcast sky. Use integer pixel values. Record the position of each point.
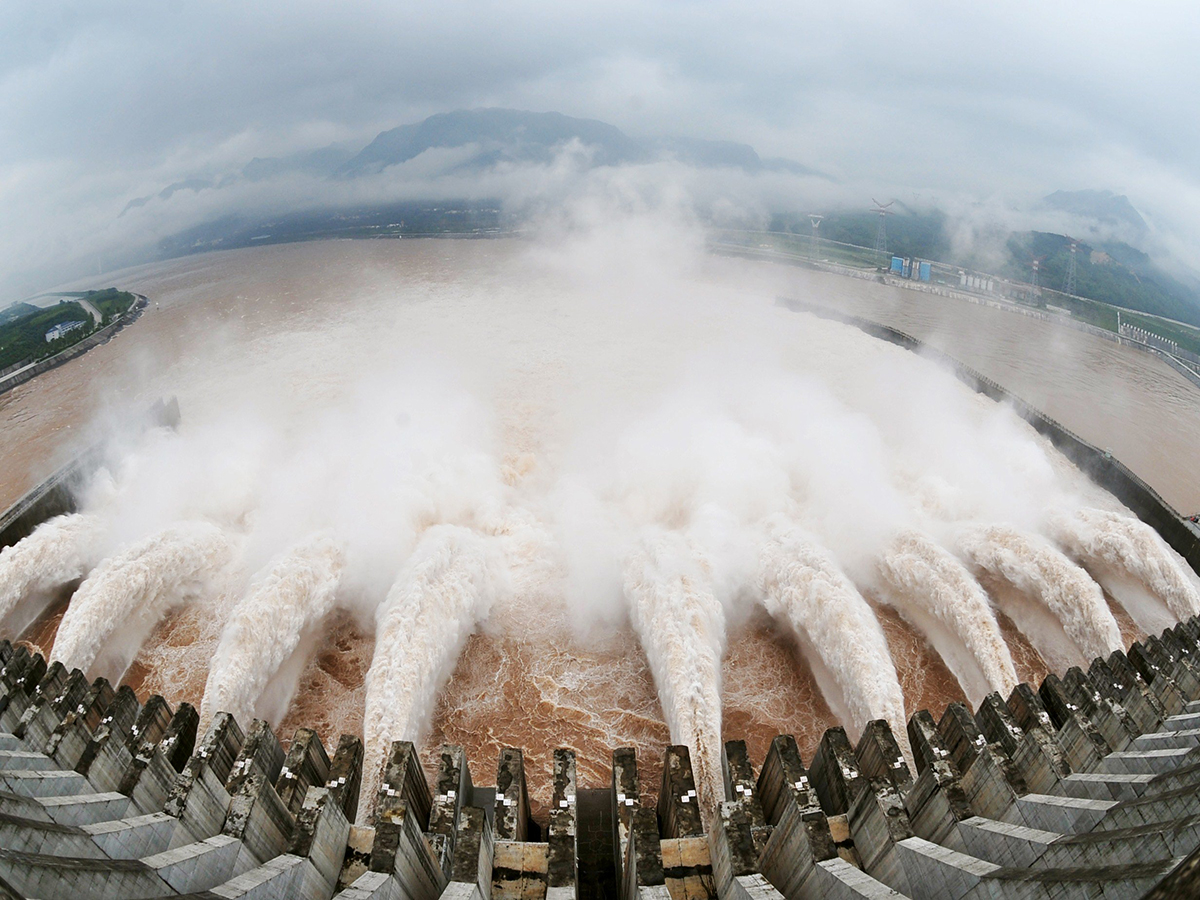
(101, 102)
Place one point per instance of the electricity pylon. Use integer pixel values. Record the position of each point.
(1069, 284)
(881, 230)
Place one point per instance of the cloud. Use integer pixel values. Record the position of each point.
(106, 103)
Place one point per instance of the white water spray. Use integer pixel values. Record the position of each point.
(292, 597)
(119, 604)
(446, 588)
(802, 585)
(927, 577)
(1132, 560)
(59, 551)
(682, 628)
(1037, 569)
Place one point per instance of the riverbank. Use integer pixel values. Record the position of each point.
(769, 255)
(24, 374)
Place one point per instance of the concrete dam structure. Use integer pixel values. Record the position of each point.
(1084, 786)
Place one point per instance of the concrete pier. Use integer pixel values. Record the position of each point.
(1086, 785)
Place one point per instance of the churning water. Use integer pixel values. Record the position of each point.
(594, 494)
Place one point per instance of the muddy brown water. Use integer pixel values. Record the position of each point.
(215, 314)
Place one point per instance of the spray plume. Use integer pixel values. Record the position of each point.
(681, 626)
(1131, 547)
(802, 585)
(291, 598)
(59, 551)
(928, 577)
(1038, 570)
(130, 593)
(447, 586)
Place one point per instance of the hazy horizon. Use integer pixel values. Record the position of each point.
(980, 110)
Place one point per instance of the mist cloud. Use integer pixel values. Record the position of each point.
(103, 104)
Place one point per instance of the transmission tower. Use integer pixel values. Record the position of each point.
(881, 230)
(816, 236)
(1069, 285)
(1036, 262)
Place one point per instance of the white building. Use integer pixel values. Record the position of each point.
(63, 328)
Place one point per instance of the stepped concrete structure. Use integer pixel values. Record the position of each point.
(1087, 785)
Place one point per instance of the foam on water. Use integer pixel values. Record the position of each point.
(290, 598)
(1133, 547)
(1033, 566)
(682, 629)
(688, 409)
(122, 600)
(802, 585)
(58, 552)
(446, 587)
(925, 576)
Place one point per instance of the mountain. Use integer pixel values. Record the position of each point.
(726, 154)
(16, 310)
(515, 136)
(322, 162)
(1103, 207)
(486, 138)
(191, 184)
(500, 135)
(1111, 271)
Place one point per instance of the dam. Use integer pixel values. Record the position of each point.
(906, 671)
(1084, 786)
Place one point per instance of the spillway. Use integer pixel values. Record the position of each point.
(1036, 569)
(928, 581)
(462, 577)
(802, 585)
(289, 599)
(119, 603)
(682, 629)
(57, 553)
(1147, 574)
(436, 602)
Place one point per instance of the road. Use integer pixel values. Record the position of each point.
(95, 313)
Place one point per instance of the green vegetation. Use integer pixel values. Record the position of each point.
(1099, 314)
(111, 302)
(1112, 273)
(15, 311)
(23, 326)
(800, 246)
(1185, 336)
(909, 233)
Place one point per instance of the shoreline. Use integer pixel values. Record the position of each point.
(765, 255)
(27, 373)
